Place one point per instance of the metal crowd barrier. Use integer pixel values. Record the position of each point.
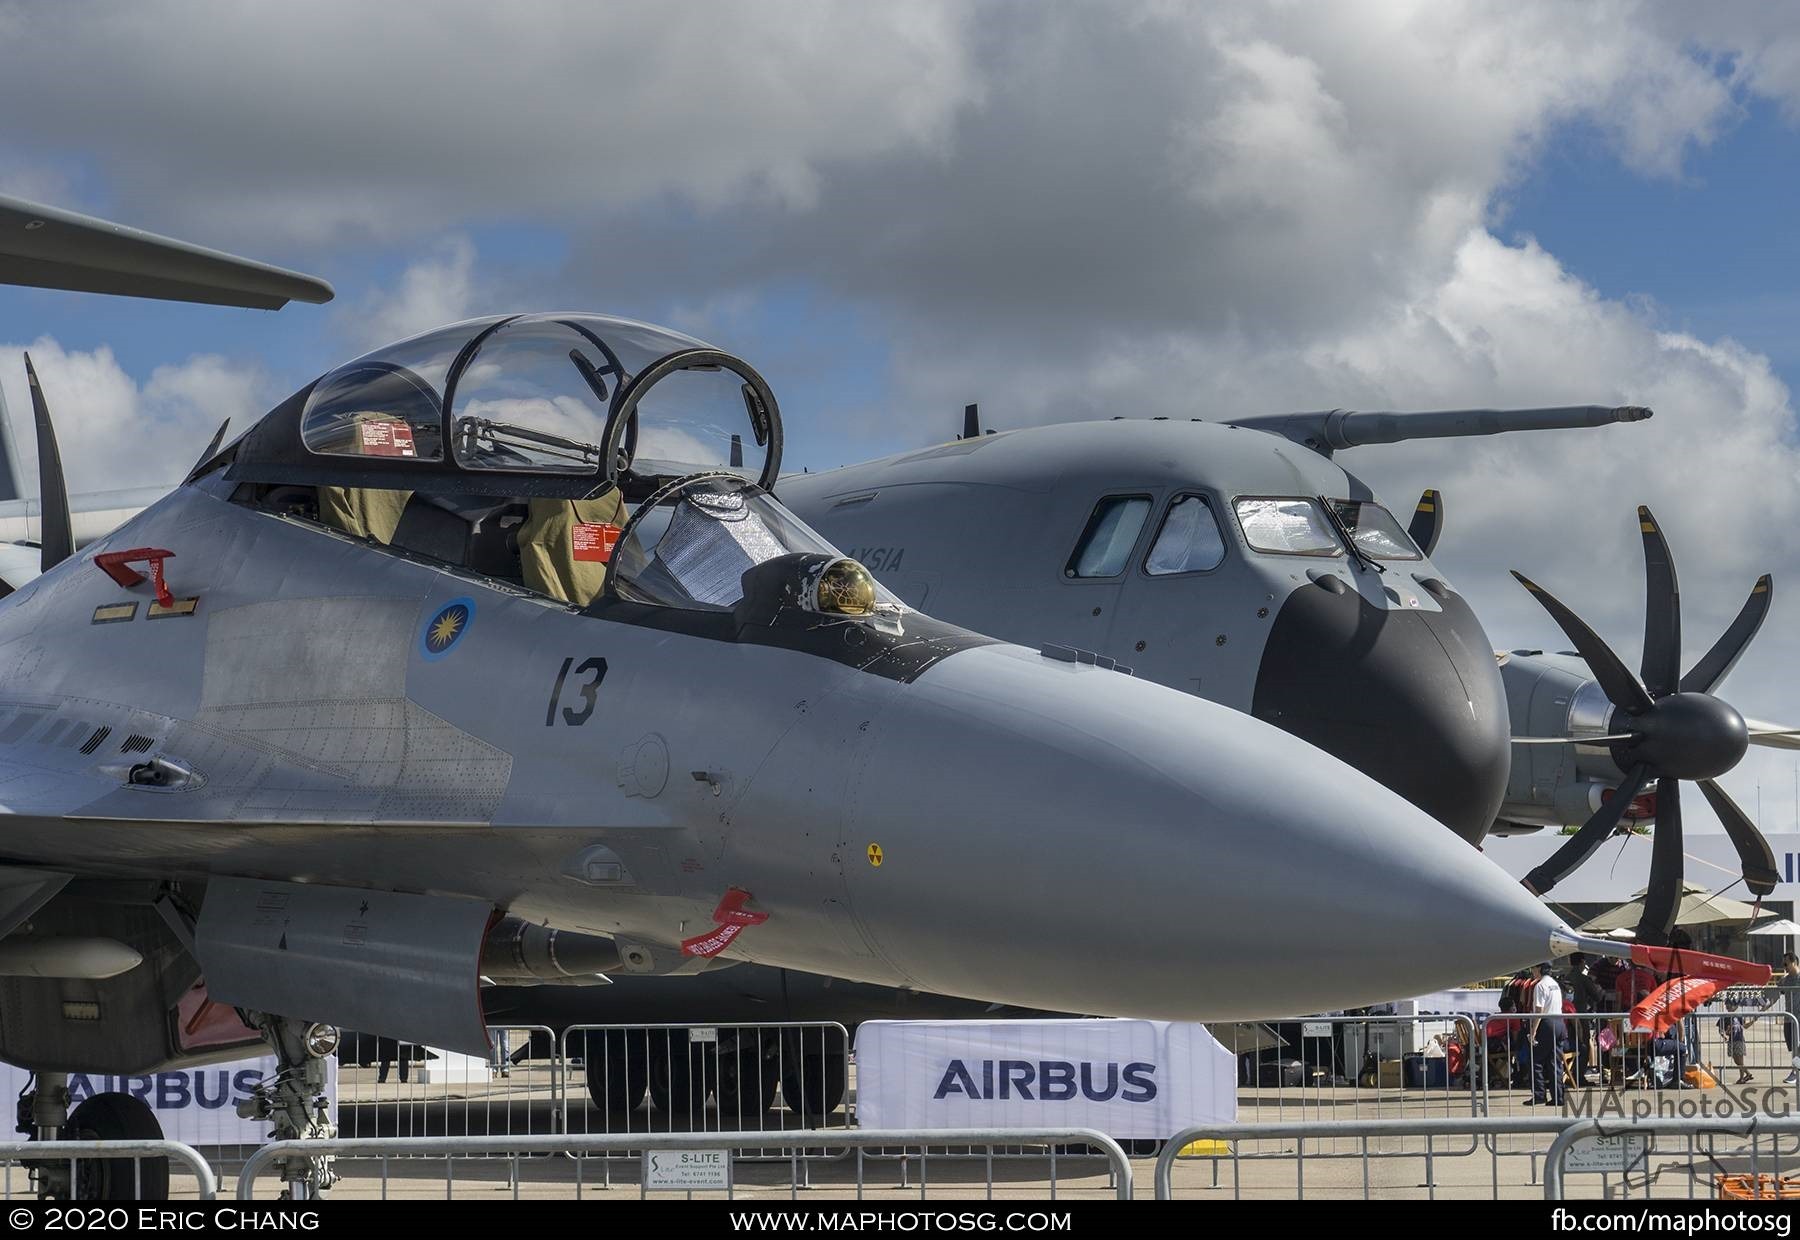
(1763, 1179)
(764, 1077)
(1464, 1131)
(454, 1149)
(1350, 1068)
(388, 1088)
(23, 1153)
(1599, 1051)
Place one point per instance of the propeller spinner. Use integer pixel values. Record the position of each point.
(1666, 727)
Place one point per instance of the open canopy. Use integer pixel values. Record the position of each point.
(539, 404)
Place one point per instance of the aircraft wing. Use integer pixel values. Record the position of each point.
(45, 247)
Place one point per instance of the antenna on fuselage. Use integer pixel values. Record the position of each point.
(971, 422)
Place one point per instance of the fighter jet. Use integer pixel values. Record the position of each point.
(482, 654)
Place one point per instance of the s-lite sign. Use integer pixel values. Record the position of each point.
(197, 1106)
(1128, 1078)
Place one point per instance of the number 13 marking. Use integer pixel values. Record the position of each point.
(595, 671)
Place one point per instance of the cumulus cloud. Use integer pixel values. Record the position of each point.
(324, 120)
(114, 431)
(1059, 210)
(433, 290)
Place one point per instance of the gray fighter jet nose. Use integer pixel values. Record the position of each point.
(1157, 855)
(1412, 698)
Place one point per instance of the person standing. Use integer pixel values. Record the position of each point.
(1589, 997)
(1784, 996)
(1549, 1037)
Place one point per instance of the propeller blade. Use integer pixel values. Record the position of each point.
(1775, 735)
(1427, 521)
(1662, 611)
(1573, 740)
(212, 449)
(1662, 900)
(1620, 686)
(56, 535)
(1716, 666)
(1753, 851)
(1580, 846)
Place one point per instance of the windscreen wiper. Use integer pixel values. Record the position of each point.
(1349, 536)
(483, 432)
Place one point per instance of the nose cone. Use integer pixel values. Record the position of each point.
(1066, 837)
(1412, 698)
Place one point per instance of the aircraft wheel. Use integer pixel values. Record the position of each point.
(117, 1117)
(747, 1082)
(680, 1073)
(813, 1079)
(616, 1077)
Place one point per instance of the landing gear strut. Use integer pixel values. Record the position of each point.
(294, 1100)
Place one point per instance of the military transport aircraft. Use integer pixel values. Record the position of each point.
(480, 656)
(1241, 561)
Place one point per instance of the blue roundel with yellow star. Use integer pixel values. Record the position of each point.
(445, 628)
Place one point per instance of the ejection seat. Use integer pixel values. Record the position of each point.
(362, 512)
(368, 512)
(566, 544)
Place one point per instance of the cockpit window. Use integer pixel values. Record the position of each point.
(574, 400)
(1189, 540)
(689, 545)
(534, 396)
(1374, 530)
(387, 404)
(1287, 527)
(700, 417)
(1104, 548)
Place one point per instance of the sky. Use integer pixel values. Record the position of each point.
(1059, 208)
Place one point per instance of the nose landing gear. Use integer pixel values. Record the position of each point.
(294, 1100)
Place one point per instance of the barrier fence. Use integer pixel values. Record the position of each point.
(1746, 1172)
(1434, 1103)
(387, 1088)
(93, 1166)
(743, 1078)
(752, 1146)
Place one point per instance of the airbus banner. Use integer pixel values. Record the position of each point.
(1131, 1079)
(197, 1106)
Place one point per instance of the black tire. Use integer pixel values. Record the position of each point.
(813, 1073)
(749, 1072)
(681, 1072)
(617, 1076)
(117, 1117)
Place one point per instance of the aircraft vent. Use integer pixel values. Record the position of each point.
(57, 732)
(97, 739)
(136, 743)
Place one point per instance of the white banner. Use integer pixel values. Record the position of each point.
(197, 1106)
(1142, 1079)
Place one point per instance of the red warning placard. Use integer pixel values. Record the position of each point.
(384, 438)
(594, 543)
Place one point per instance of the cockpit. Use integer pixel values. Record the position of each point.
(592, 461)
